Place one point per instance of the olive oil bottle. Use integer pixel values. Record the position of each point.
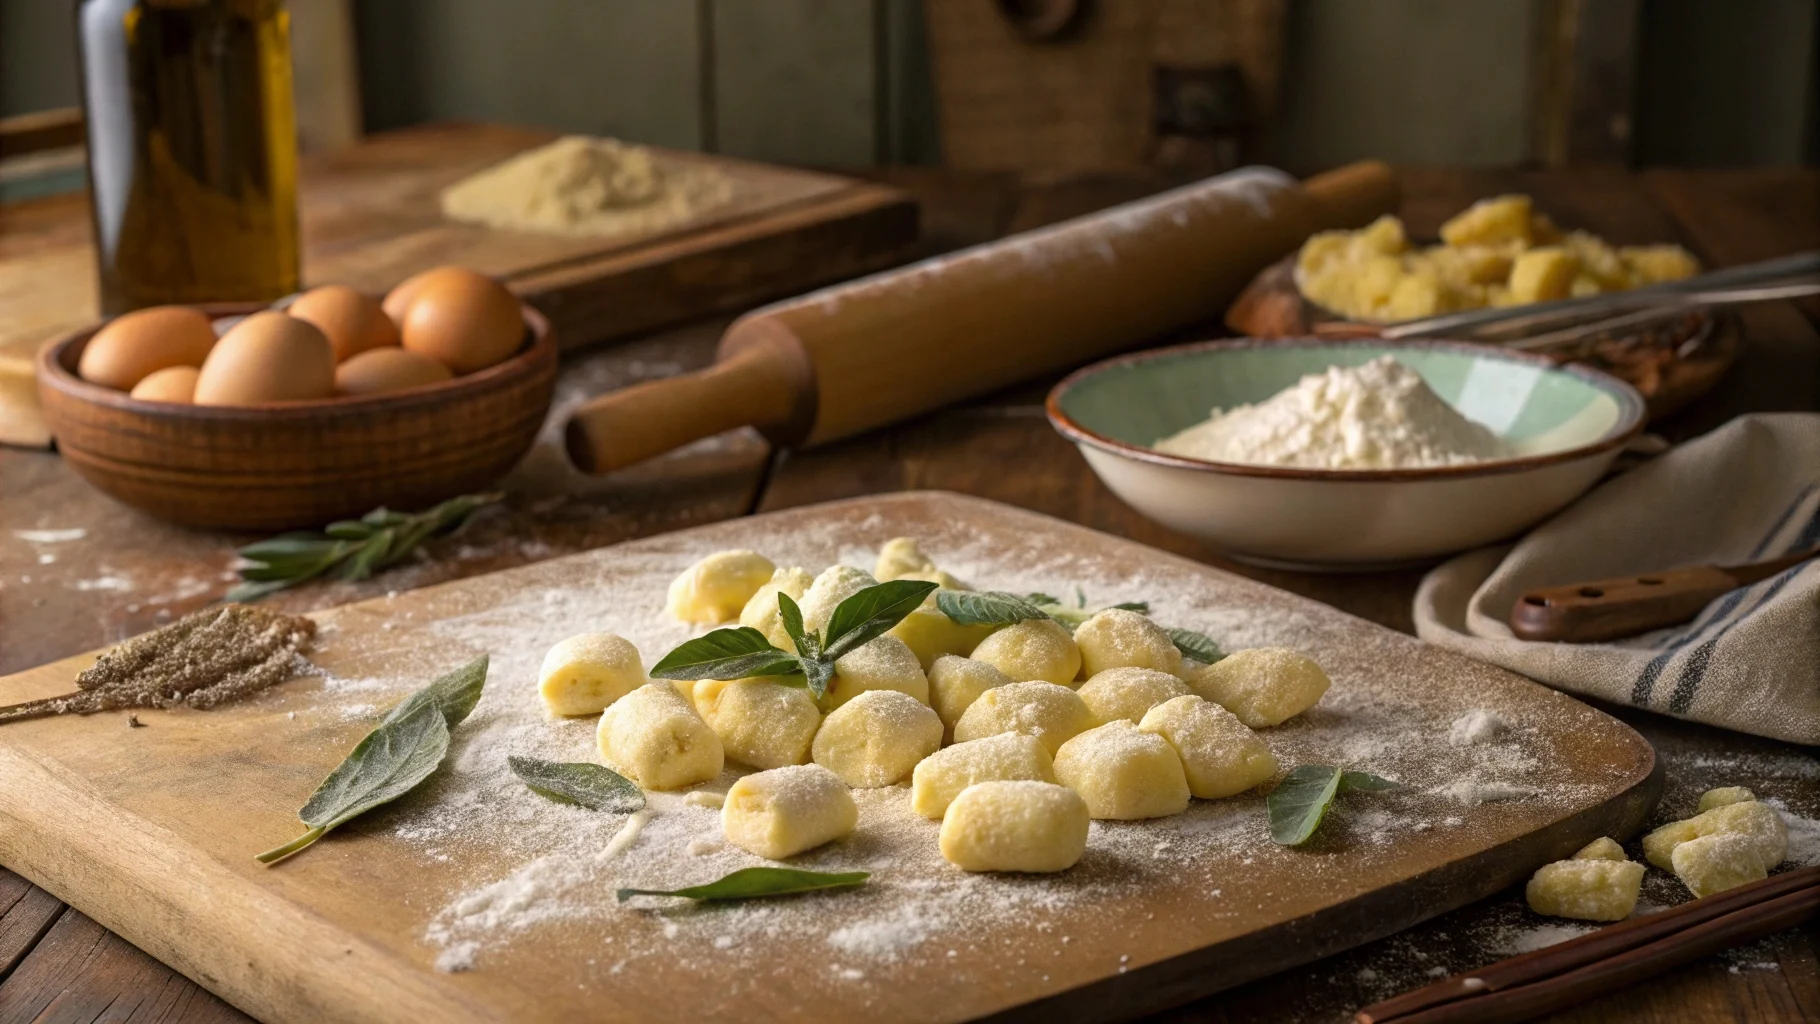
(192, 150)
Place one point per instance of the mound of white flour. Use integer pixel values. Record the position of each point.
(1381, 415)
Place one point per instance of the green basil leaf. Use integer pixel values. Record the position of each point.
(792, 617)
(987, 607)
(454, 694)
(747, 883)
(1365, 782)
(726, 654)
(592, 786)
(1298, 803)
(1037, 598)
(1196, 645)
(818, 675)
(868, 614)
(1141, 607)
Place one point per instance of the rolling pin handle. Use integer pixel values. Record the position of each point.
(1608, 609)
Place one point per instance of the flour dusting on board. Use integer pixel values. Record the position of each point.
(523, 866)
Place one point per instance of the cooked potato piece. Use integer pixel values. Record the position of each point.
(1724, 795)
(899, 557)
(1053, 714)
(1384, 235)
(1220, 757)
(1490, 221)
(1603, 848)
(1586, 890)
(1654, 264)
(1015, 826)
(941, 776)
(784, 811)
(885, 663)
(876, 738)
(585, 673)
(656, 739)
(1033, 649)
(760, 722)
(713, 590)
(1717, 862)
(1543, 275)
(761, 610)
(1756, 821)
(1127, 693)
(1123, 772)
(1120, 638)
(1263, 686)
(955, 683)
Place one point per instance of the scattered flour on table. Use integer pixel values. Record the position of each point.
(1476, 726)
(1380, 415)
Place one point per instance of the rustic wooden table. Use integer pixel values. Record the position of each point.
(127, 573)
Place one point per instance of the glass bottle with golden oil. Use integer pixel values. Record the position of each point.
(192, 150)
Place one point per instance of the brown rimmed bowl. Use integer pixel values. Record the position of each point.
(298, 464)
(1566, 423)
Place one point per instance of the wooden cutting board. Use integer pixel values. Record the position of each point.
(476, 900)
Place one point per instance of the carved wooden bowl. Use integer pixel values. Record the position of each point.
(297, 464)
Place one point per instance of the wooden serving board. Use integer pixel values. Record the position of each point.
(474, 899)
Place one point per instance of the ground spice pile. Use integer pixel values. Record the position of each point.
(204, 659)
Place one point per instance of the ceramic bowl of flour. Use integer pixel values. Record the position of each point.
(1550, 432)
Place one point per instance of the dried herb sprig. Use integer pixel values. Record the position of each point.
(352, 549)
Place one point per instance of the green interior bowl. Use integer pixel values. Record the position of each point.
(1539, 407)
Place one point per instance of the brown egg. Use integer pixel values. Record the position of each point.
(171, 384)
(463, 320)
(398, 300)
(268, 357)
(133, 345)
(352, 319)
(387, 369)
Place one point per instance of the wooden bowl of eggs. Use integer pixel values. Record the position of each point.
(321, 407)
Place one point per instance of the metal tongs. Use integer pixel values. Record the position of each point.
(1555, 324)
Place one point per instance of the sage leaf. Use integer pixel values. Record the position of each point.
(1298, 804)
(1196, 645)
(1141, 607)
(868, 614)
(747, 883)
(403, 750)
(355, 548)
(733, 653)
(988, 607)
(593, 786)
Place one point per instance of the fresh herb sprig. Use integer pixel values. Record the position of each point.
(1300, 801)
(592, 786)
(352, 549)
(747, 883)
(406, 747)
(998, 608)
(739, 652)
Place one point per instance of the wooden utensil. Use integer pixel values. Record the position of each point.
(1590, 966)
(1580, 613)
(900, 343)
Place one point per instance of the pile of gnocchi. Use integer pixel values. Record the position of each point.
(1498, 252)
(1732, 839)
(1012, 736)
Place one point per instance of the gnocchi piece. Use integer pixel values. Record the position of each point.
(1119, 638)
(1053, 714)
(941, 776)
(760, 722)
(1384, 235)
(933, 635)
(955, 683)
(1724, 795)
(1220, 757)
(1490, 222)
(1759, 822)
(1020, 825)
(1127, 693)
(1263, 686)
(1035, 649)
(1586, 890)
(1543, 274)
(585, 673)
(1603, 848)
(1123, 772)
(655, 738)
(885, 663)
(1654, 264)
(876, 738)
(834, 585)
(713, 590)
(900, 557)
(1717, 862)
(784, 811)
(761, 612)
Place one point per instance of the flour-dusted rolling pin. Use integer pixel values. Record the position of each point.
(890, 346)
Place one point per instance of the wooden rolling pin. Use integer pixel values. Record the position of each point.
(1600, 610)
(893, 345)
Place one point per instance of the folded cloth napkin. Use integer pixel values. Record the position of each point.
(1747, 492)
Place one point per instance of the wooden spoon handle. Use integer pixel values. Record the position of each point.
(1607, 609)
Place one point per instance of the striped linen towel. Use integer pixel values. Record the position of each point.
(1747, 492)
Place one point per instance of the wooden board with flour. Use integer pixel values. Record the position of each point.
(474, 899)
